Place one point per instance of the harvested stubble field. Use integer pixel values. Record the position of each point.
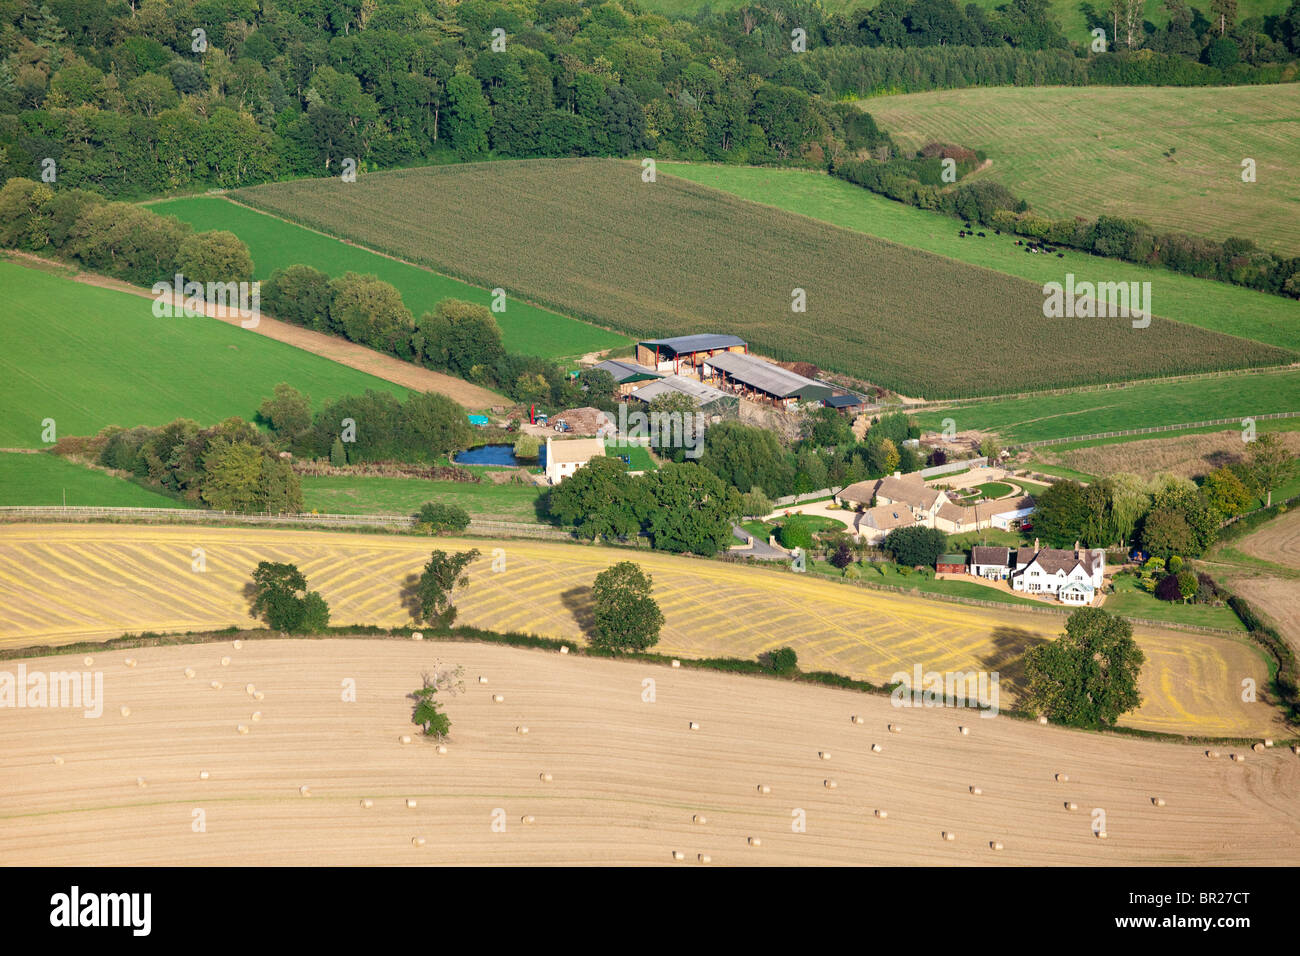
(60, 583)
(1275, 591)
(589, 238)
(1190, 455)
(629, 781)
(1171, 156)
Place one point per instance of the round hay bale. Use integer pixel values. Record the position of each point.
(1268, 742)
(58, 761)
(995, 844)
(225, 662)
(215, 685)
(564, 649)
(139, 782)
(521, 730)
(1043, 721)
(404, 739)
(367, 804)
(694, 726)
(1158, 801)
(1069, 805)
(528, 818)
(1240, 758)
(236, 644)
(482, 679)
(441, 748)
(417, 636)
(976, 790)
(1212, 754)
(876, 748)
(124, 710)
(676, 663)
(829, 784)
(256, 716)
(764, 788)
(949, 835)
(965, 731)
(410, 804)
(699, 818)
(1062, 778)
(1101, 834)
(250, 690)
(129, 662)
(88, 661)
(258, 695)
(857, 720)
(1258, 748)
(1295, 749)
(242, 728)
(545, 777)
(678, 855)
(498, 698)
(754, 841)
(417, 841)
(882, 814)
(704, 858)
(824, 754)
(189, 672)
(895, 728)
(304, 790)
(203, 775)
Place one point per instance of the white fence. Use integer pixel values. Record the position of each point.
(1156, 429)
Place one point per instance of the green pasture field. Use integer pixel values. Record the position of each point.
(347, 495)
(276, 244)
(44, 479)
(1131, 601)
(591, 239)
(89, 357)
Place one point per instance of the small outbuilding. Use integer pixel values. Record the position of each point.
(951, 564)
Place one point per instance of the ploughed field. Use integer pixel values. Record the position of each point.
(63, 583)
(629, 781)
(590, 238)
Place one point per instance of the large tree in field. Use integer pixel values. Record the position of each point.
(280, 596)
(1089, 676)
(434, 591)
(627, 618)
(1270, 462)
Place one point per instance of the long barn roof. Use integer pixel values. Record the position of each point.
(702, 342)
(767, 377)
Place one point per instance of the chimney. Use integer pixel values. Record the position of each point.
(1076, 547)
(1035, 540)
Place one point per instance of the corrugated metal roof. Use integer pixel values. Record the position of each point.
(625, 371)
(767, 377)
(842, 401)
(704, 394)
(700, 342)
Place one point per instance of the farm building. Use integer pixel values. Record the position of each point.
(1008, 520)
(564, 457)
(1073, 575)
(911, 492)
(860, 494)
(712, 401)
(685, 351)
(877, 522)
(627, 375)
(844, 404)
(993, 563)
(756, 379)
(951, 564)
(953, 518)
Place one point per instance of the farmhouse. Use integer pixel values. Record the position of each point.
(877, 522)
(754, 378)
(912, 493)
(627, 375)
(564, 457)
(685, 351)
(993, 563)
(1073, 575)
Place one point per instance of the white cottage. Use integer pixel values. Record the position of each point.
(1074, 576)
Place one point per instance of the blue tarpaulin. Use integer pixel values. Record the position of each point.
(478, 420)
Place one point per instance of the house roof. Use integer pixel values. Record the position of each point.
(951, 559)
(859, 491)
(769, 378)
(626, 371)
(888, 517)
(909, 491)
(686, 386)
(990, 554)
(702, 342)
(1053, 560)
(569, 451)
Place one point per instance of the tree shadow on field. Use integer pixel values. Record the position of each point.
(580, 604)
(1010, 644)
(409, 595)
(249, 591)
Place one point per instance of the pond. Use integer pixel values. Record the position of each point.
(496, 455)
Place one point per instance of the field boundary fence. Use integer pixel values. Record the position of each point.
(1154, 429)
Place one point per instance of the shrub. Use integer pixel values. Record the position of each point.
(916, 545)
(783, 660)
(1167, 588)
(795, 533)
(443, 518)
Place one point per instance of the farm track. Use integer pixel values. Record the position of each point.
(627, 776)
(64, 583)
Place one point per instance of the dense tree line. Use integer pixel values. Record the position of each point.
(230, 467)
(135, 99)
(914, 180)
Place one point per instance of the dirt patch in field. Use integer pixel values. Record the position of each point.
(627, 778)
(335, 349)
(1276, 598)
(1277, 541)
(1189, 455)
